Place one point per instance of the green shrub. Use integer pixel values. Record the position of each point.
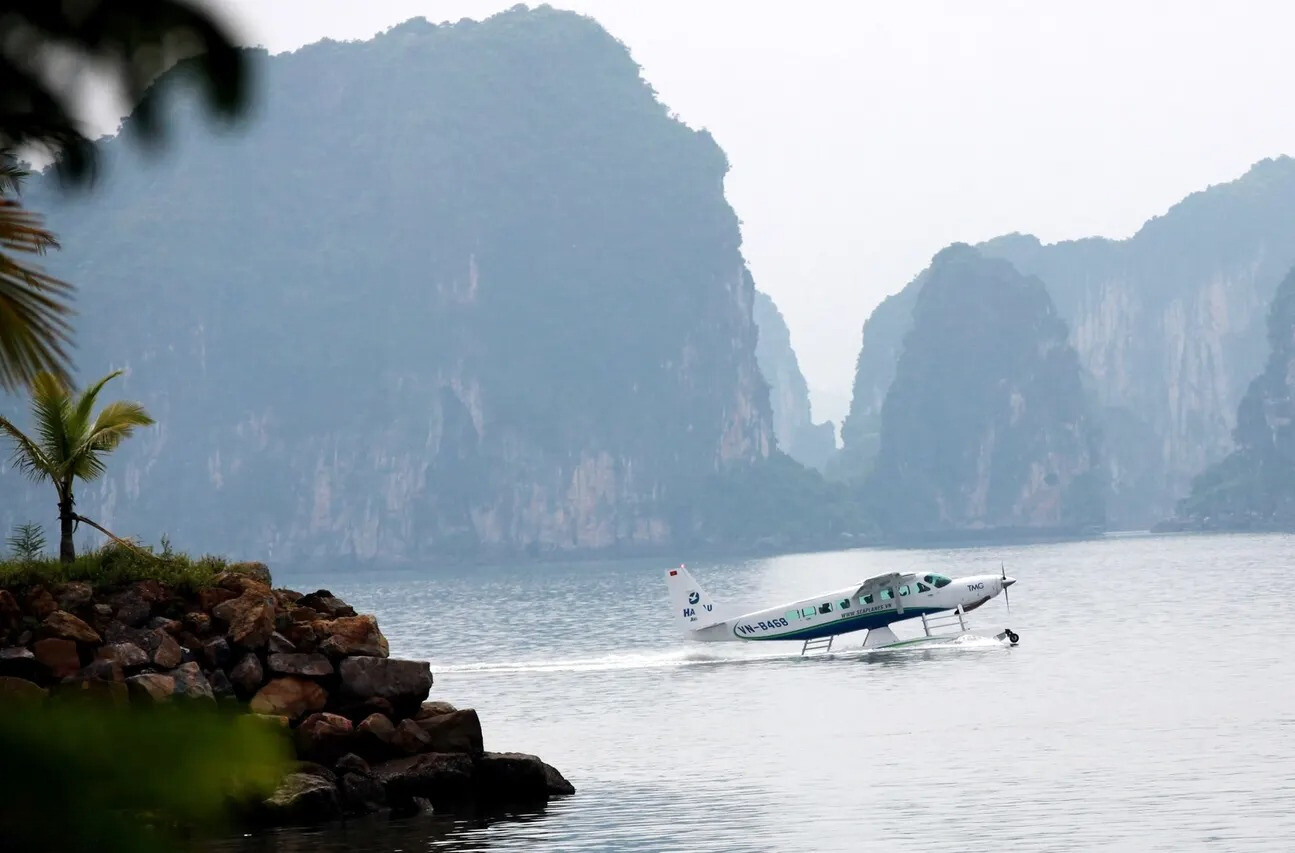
(115, 564)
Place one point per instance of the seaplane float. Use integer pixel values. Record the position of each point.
(873, 606)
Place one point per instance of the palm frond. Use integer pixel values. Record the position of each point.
(50, 407)
(80, 422)
(27, 456)
(116, 422)
(34, 331)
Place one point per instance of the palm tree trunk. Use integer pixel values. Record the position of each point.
(66, 549)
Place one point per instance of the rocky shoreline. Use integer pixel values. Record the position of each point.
(365, 735)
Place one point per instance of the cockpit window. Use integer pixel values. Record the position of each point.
(921, 587)
(937, 581)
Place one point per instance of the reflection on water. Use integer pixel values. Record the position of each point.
(1148, 706)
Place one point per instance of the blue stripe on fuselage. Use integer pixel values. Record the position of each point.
(866, 621)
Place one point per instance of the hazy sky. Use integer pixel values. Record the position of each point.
(865, 136)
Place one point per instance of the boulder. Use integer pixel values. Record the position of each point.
(434, 709)
(285, 598)
(102, 670)
(150, 591)
(216, 653)
(73, 594)
(150, 687)
(196, 623)
(170, 626)
(20, 690)
(403, 683)
(280, 645)
(58, 656)
(360, 793)
(213, 596)
(190, 683)
(167, 653)
(39, 603)
(65, 626)
(289, 697)
(247, 674)
(373, 737)
(410, 739)
(126, 655)
(351, 635)
(513, 779)
(314, 666)
(444, 779)
(352, 763)
(221, 686)
(250, 618)
(325, 602)
(302, 798)
(258, 572)
(19, 662)
(129, 608)
(314, 768)
(356, 710)
(457, 731)
(301, 635)
(10, 612)
(241, 584)
(324, 737)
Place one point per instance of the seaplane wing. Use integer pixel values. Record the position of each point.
(871, 585)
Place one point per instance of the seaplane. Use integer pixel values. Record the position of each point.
(873, 606)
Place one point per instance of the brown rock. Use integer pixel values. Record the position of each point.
(403, 683)
(221, 686)
(216, 653)
(279, 644)
(20, 689)
(314, 666)
(150, 687)
(125, 655)
(434, 709)
(247, 674)
(373, 737)
(129, 608)
(444, 779)
(102, 670)
(258, 572)
(197, 623)
(213, 596)
(168, 653)
(303, 798)
(73, 594)
(356, 710)
(59, 656)
(150, 591)
(360, 793)
(324, 737)
(302, 636)
(161, 623)
(290, 697)
(65, 626)
(242, 584)
(351, 635)
(514, 779)
(250, 618)
(10, 612)
(410, 738)
(285, 598)
(325, 602)
(190, 683)
(39, 603)
(457, 731)
(352, 763)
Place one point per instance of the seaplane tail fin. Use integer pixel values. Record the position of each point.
(693, 608)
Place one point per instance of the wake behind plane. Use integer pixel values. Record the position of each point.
(872, 606)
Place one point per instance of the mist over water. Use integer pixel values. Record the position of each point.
(1150, 705)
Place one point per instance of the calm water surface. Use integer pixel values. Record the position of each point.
(1149, 706)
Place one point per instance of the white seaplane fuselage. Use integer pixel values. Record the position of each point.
(874, 604)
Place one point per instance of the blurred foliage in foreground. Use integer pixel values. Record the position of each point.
(80, 776)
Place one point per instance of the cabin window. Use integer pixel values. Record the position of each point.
(865, 599)
(825, 607)
(886, 594)
(921, 587)
(807, 612)
(844, 604)
(903, 590)
(792, 615)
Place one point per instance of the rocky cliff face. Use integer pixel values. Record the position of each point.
(1254, 487)
(1167, 325)
(798, 436)
(458, 288)
(985, 424)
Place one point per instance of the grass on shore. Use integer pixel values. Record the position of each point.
(112, 565)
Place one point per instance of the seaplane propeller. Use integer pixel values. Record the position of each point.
(1007, 599)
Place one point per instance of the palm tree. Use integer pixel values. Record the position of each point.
(47, 49)
(71, 443)
(33, 309)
